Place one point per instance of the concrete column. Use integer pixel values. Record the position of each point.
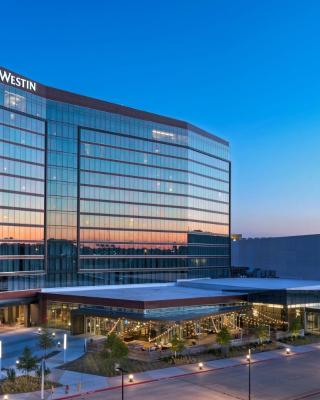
(10, 315)
(6, 315)
(26, 315)
(43, 318)
(34, 314)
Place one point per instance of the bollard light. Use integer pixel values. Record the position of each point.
(5, 397)
(53, 334)
(288, 351)
(200, 365)
(130, 378)
(39, 330)
(248, 357)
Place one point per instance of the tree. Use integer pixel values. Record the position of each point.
(295, 327)
(115, 348)
(46, 341)
(262, 333)
(177, 345)
(27, 362)
(223, 338)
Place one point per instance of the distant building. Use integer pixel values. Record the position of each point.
(287, 257)
(236, 236)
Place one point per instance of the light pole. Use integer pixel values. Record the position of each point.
(0, 358)
(64, 347)
(118, 368)
(43, 367)
(249, 383)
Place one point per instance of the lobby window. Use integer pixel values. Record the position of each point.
(15, 101)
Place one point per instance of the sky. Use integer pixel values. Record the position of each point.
(248, 71)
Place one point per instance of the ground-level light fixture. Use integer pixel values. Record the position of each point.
(200, 365)
(288, 351)
(53, 334)
(5, 397)
(39, 330)
(248, 357)
(130, 378)
(17, 362)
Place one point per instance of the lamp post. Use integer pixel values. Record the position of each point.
(43, 367)
(123, 371)
(249, 383)
(0, 358)
(64, 347)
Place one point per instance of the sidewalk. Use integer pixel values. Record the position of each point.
(82, 384)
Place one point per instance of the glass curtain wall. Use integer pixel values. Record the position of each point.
(91, 197)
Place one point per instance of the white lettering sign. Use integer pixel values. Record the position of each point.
(10, 79)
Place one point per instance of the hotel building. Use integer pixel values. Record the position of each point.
(94, 193)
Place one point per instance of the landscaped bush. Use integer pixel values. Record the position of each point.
(300, 340)
(23, 384)
(98, 364)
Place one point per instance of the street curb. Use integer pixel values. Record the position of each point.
(90, 392)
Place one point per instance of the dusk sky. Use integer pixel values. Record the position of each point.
(248, 71)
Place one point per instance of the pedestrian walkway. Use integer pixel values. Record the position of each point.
(81, 384)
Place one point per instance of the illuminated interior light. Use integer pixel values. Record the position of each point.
(162, 133)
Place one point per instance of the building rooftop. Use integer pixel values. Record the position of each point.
(251, 284)
(184, 289)
(143, 293)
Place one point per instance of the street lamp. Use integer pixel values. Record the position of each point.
(123, 371)
(43, 367)
(249, 382)
(0, 358)
(64, 347)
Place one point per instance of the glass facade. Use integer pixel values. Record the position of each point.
(94, 197)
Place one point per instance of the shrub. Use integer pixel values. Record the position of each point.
(115, 348)
(11, 374)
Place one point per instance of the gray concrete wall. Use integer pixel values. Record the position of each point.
(290, 257)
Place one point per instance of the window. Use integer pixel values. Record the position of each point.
(15, 101)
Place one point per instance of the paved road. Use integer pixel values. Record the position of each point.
(288, 378)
